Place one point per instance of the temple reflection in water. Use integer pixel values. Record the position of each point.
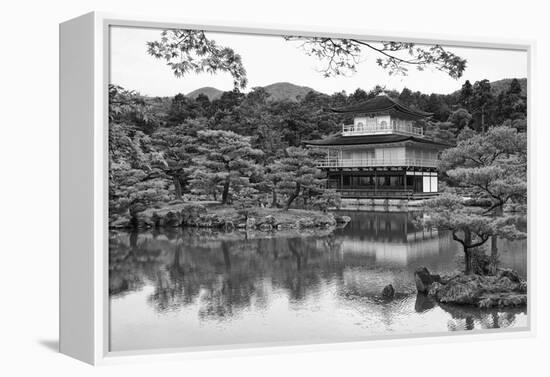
(391, 239)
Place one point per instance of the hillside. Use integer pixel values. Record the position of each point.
(281, 91)
(210, 92)
(501, 85)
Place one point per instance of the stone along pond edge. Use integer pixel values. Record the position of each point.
(217, 216)
(505, 288)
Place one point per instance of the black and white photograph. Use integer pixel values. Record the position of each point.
(287, 189)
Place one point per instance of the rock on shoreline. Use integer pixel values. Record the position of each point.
(224, 217)
(504, 289)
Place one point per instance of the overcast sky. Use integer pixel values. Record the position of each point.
(270, 59)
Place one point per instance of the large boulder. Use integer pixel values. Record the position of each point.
(121, 222)
(424, 279)
(143, 221)
(325, 221)
(388, 291)
(342, 219)
(510, 274)
(251, 223)
(191, 214)
(169, 219)
(305, 222)
(210, 220)
(268, 220)
(265, 227)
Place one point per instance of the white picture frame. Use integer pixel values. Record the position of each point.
(84, 78)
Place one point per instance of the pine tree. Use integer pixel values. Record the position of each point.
(298, 175)
(490, 166)
(465, 96)
(482, 102)
(227, 157)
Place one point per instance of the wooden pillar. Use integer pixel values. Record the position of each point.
(341, 180)
(375, 182)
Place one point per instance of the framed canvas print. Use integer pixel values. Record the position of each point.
(228, 187)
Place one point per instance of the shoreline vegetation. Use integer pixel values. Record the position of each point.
(180, 214)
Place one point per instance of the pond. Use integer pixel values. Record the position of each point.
(197, 287)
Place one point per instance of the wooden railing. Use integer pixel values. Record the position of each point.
(361, 163)
(395, 193)
(355, 130)
(347, 193)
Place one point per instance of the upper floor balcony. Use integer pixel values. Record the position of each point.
(360, 129)
(374, 162)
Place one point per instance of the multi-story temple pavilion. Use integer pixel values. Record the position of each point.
(383, 154)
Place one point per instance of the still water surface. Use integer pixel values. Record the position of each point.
(192, 287)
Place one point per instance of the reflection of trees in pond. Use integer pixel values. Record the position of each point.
(467, 317)
(229, 290)
(130, 260)
(302, 266)
(173, 286)
(225, 273)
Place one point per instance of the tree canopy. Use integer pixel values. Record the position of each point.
(488, 166)
(191, 51)
(341, 56)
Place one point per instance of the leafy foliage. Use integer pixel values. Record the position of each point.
(298, 175)
(188, 51)
(342, 56)
(227, 157)
(491, 166)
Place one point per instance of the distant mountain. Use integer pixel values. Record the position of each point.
(285, 91)
(211, 93)
(281, 91)
(502, 85)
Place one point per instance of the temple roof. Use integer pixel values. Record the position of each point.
(382, 104)
(338, 139)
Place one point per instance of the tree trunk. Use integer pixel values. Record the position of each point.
(177, 186)
(293, 196)
(133, 239)
(274, 198)
(467, 261)
(483, 118)
(494, 255)
(494, 244)
(225, 193)
(467, 252)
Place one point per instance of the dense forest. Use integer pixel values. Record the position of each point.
(247, 147)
